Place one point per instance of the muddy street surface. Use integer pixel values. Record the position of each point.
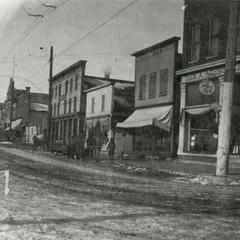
(54, 199)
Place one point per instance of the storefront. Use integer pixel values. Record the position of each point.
(151, 129)
(201, 99)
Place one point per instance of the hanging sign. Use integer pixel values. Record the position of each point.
(206, 87)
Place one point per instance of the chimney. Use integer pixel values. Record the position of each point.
(107, 73)
(28, 90)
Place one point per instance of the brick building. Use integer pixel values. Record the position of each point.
(204, 49)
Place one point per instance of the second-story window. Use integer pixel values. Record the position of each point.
(103, 103)
(70, 105)
(60, 90)
(195, 43)
(76, 82)
(163, 84)
(75, 104)
(71, 85)
(66, 87)
(238, 37)
(213, 36)
(56, 91)
(58, 108)
(152, 85)
(54, 112)
(65, 106)
(142, 87)
(93, 105)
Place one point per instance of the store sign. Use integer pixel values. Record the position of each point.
(206, 74)
(206, 87)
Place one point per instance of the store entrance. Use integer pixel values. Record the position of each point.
(203, 133)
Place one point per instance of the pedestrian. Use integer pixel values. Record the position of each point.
(35, 143)
(111, 148)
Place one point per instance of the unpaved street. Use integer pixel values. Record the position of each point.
(49, 199)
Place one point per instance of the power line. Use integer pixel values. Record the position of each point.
(89, 33)
(98, 27)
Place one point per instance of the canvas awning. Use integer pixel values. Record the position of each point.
(202, 110)
(157, 116)
(102, 121)
(14, 124)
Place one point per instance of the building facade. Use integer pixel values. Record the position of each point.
(204, 50)
(154, 124)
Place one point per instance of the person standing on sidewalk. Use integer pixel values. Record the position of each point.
(111, 148)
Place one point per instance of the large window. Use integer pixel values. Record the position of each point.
(195, 43)
(65, 106)
(152, 85)
(56, 92)
(58, 108)
(142, 87)
(213, 36)
(55, 106)
(163, 82)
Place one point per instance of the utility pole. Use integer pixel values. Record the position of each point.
(50, 96)
(11, 108)
(228, 86)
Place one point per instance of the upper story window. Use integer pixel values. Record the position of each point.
(54, 112)
(71, 85)
(142, 87)
(65, 106)
(60, 90)
(213, 36)
(194, 43)
(75, 104)
(92, 105)
(70, 105)
(56, 92)
(58, 108)
(152, 85)
(76, 82)
(103, 103)
(163, 84)
(66, 87)
(238, 37)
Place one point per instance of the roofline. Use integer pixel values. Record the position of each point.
(74, 65)
(110, 79)
(97, 87)
(158, 45)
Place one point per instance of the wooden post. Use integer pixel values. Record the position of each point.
(228, 84)
(50, 97)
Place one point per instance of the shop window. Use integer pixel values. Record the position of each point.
(57, 130)
(75, 104)
(142, 87)
(61, 130)
(163, 83)
(194, 43)
(75, 123)
(103, 103)
(71, 85)
(70, 105)
(152, 85)
(203, 133)
(60, 90)
(66, 87)
(213, 36)
(92, 105)
(76, 82)
(65, 106)
(64, 130)
(69, 128)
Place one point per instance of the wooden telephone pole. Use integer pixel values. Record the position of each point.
(50, 96)
(228, 86)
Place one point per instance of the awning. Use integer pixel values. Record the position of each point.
(102, 121)
(202, 110)
(157, 116)
(14, 124)
(39, 107)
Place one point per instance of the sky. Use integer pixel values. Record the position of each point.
(103, 32)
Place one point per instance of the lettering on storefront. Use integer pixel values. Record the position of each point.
(206, 87)
(206, 74)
